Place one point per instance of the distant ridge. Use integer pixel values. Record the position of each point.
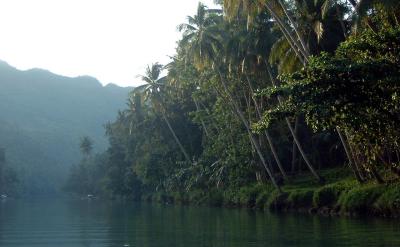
(43, 116)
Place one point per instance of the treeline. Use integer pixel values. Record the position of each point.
(9, 182)
(259, 92)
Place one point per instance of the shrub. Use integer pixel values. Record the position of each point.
(329, 194)
(247, 196)
(389, 202)
(277, 200)
(360, 199)
(300, 198)
(262, 199)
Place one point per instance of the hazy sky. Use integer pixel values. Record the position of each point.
(112, 40)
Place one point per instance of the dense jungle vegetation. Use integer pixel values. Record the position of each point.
(284, 103)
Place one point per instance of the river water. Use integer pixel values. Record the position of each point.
(63, 223)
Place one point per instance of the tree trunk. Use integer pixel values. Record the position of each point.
(294, 44)
(352, 164)
(305, 53)
(267, 135)
(175, 137)
(295, 139)
(342, 25)
(201, 120)
(246, 124)
(294, 25)
(294, 147)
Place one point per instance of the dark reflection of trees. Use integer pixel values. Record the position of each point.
(155, 225)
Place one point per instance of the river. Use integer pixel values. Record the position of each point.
(64, 223)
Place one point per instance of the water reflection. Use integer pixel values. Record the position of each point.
(95, 223)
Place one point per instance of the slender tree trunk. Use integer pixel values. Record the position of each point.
(352, 165)
(267, 135)
(303, 154)
(376, 174)
(305, 54)
(341, 22)
(294, 25)
(294, 147)
(295, 139)
(294, 44)
(175, 136)
(360, 169)
(252, 137)
(201, 120)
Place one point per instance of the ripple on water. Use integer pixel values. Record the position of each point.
(63, 223)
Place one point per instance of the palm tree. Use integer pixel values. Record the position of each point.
(174, 72)
(201, 36)
(201, 40)
(86, 146)
(151, 91)
(243, 51)
(255, 53)
(278, 12)
(312, 20)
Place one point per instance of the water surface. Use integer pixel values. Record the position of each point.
(95, 223)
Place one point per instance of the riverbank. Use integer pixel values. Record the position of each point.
(340, 195)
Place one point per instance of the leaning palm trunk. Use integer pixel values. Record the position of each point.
(352, 162)
(294, 147)
(269, 139)
(176, 138)
(305, 55)
(294, 25)
(201, 120)
(293, 133)
(174, 134)
(294, 44)
(267, 135)
(253, 141)
(247, 126)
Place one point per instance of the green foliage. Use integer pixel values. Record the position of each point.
(300, 198)
(389, 202)
(184, 137)
(262, 199)
(360, 199)
(277, 201)
(328, 195)
(356, 90)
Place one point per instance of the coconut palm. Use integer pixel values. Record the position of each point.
(151, 92)
(200, 36)
(243, 52)
(278, 12)
(201, 41)
(254, 46)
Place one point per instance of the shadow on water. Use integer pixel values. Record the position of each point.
(96, 223)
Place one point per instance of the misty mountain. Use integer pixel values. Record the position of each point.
(43, 116)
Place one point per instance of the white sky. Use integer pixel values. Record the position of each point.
(112, 40)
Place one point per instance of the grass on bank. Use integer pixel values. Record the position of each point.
(340, 194)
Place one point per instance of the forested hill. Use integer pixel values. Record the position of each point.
(44, 115)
